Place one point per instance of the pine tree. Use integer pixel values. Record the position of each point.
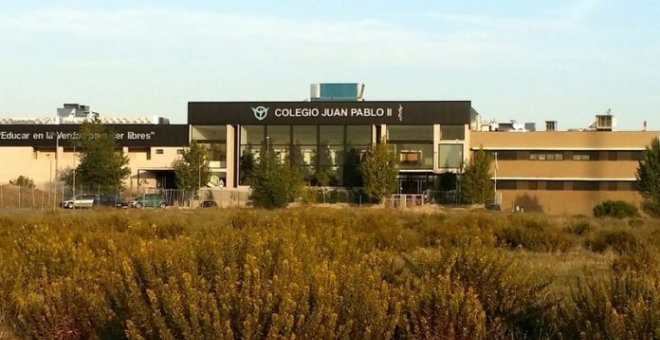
(379, 171)
(324, 176)
(246, 165)
(274, 183)
(192, 169)
(102, 168)
(476, 184)
(648, 177)
(351, 175)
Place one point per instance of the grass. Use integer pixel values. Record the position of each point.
(325, 273)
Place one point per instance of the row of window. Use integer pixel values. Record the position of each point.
(410, 155)
(625, 155)
(567, 185)
(325, 134)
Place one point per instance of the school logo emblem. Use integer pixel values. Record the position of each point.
(260, 112)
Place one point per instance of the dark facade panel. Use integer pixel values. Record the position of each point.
(130, 135)
(330, 113)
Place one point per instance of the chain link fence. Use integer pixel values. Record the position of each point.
(51, 197)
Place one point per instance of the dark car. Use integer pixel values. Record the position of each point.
(110, 201)
(208, 204)
(493, 206)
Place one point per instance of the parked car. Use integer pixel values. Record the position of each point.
(94, 200)
(148, 200)
(208, 204)
(110, 201)
(80, 201)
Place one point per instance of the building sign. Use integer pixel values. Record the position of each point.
(64, 135)
(329, 113)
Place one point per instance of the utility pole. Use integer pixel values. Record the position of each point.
(74, 177)
(495, 182)
(57, 152)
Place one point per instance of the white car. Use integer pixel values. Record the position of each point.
(80, 201)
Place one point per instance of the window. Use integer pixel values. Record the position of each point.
(358, 135)
(611, 186)
(332, 134)
(546, 156)
(410, 157)
(252, 135)
(507, 185)
(178, 151)
(160, 151)
(304, 134)
(410, 132)
(533, 185)
(279, 134)
(209, 133)
(450, 156)
(581, 157)
(554, 185)
(452, 132)
(585, 185)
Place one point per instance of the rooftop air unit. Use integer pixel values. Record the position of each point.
(550, 125)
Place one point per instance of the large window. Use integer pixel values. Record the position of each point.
(279, 134)
(214, 139)
(450, 156)
(209, 133)
(332, 141)
(414, 156)
(410, 133)
(253, 135)
(452, 132)
(413, 144)
(358, 135)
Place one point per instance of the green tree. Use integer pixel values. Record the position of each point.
(648, 177)
(274, 183)
(296, 160)
(102, 167)
(476, 184)
(351, 175)
(324, 175)
(192, 169)
(22, 181)
(379, 170)
(246, 166)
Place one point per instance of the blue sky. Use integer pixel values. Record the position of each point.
(526, 60)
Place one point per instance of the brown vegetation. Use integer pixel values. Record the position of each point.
(326, 274)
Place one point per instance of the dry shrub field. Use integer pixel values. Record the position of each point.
(312, 273)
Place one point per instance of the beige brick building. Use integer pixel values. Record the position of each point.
(564, 172)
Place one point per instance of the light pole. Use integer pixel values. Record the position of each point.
(267, 153)
(50, 177)
(199, 172)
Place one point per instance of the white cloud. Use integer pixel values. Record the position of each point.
(369, 42)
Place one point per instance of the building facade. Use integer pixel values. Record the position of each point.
(43, 151)
(430, 138)
(564, 172)
(554, 172)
